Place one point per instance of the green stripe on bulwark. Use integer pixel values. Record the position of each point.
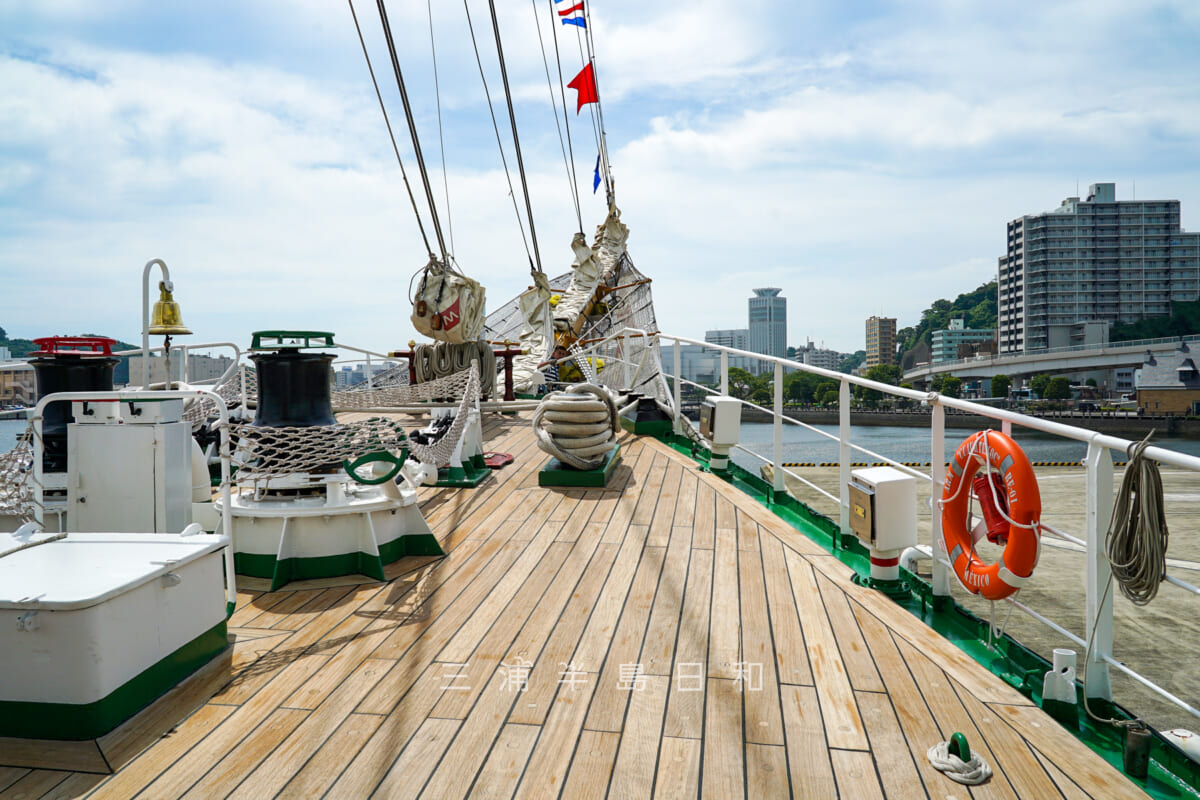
(27, 720)
(259, 565)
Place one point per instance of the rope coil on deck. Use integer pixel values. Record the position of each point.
(578, 426)
(971, 772)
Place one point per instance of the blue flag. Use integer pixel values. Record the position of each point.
(596, 176)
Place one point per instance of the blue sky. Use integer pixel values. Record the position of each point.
(863, 156)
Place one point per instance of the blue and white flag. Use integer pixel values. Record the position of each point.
(596, 176)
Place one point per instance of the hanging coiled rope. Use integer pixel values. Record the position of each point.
(1136, 543)
(580, 425)
(438, 360)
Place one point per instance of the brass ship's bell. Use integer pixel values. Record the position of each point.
(166, 319)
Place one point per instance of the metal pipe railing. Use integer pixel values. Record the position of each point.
(1099, 472)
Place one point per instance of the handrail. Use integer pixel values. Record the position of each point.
(1099, 472)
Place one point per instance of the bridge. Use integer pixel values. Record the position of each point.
(1058, 359)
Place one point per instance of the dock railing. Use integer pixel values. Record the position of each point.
(1098, 464)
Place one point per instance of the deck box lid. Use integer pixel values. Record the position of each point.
(85, 569)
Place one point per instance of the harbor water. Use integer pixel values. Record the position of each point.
(906, 444)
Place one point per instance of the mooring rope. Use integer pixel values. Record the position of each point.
(580, 425)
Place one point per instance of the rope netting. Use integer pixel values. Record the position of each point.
(264, 453)
(16, 479)
(462, 385)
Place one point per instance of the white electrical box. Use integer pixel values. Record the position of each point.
(721, 420)
(883, 508)
(130, 467)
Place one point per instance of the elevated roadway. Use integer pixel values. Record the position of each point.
(1059, 359)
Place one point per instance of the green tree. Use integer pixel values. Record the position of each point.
(951, 386)
(884, 373)
(1038, 384)
(1091, 382)
(1000, 385)
(741, 383)
(828, 396)
(1058, 389)
(3, 335)
(852, 361)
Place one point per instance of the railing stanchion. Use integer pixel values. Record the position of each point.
(940, 581)
(370, 383)
(844, 455)
(678, 367)
(1099, 616)
(724, 373)
(778, 483)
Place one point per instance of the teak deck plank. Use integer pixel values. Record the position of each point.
(766, 771)
(592, 767)
(860, 667)
(685, 704)
(723, 772)
(807, 749)
(843, 725)
(678, 769)
(633, 775)
(342, 687)
(764, 720)
(896, 768)
(505, 764)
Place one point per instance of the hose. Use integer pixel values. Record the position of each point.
(1136, 543)
(578, 427)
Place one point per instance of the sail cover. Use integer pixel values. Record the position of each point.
(603, 294)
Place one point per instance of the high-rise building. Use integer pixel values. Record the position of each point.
(1092, 260)
(768, 324)
(881, 341)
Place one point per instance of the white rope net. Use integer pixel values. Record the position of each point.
(266, 453)
(16, 479)
(456, 386)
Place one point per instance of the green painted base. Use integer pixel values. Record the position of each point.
(1066, 713)
(652, 427)
(471, 473)
(66, 721)
(258, 565)
(556, 473)
(896, 588)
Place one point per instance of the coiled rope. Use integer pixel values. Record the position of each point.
(972, 772)
(1136, 543)
(441, 359)
(580, 425)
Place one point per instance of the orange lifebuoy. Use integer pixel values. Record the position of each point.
(999, 580)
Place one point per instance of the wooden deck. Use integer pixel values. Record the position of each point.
(763, 671)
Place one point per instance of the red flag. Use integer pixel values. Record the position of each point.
(585, 84)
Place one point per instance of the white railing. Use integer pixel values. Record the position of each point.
(1098, 464)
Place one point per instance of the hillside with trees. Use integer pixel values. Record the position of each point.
(977, 308)
(1183, 321)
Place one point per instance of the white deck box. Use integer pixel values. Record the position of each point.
(95, 626)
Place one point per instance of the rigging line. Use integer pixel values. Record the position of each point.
(608, 190)
(516, 142)
(496, 127)
(391, 135)
(586, 58)
(568, 163)
(412, 129)
(437, 93)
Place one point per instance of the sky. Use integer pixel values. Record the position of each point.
(863, 156)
